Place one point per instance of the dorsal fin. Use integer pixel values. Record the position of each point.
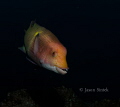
(32, 23)
(25, 31)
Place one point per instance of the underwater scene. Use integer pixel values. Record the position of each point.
(63, 53)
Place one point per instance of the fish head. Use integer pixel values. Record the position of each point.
(55, 58)
(44, 48)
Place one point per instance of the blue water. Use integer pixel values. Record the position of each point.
(90, 31)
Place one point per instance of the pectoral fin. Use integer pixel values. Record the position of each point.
(36, 43)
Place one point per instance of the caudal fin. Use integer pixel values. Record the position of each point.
(22, 49)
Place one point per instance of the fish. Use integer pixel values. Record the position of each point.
(44, 48)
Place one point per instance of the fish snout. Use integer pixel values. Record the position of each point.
(65, 69)
(61, 71)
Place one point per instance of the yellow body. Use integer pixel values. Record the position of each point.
(45, 49)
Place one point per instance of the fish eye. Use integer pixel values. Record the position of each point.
(53, 54)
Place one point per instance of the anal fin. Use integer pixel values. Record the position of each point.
(31, 61)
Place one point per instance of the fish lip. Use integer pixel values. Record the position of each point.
(54, 68)
(61, 71)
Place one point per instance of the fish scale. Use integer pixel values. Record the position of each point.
(40, 44)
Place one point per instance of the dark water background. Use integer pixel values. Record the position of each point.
(90, 30)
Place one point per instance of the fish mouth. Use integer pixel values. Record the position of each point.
(61, 71)
(56, 69)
